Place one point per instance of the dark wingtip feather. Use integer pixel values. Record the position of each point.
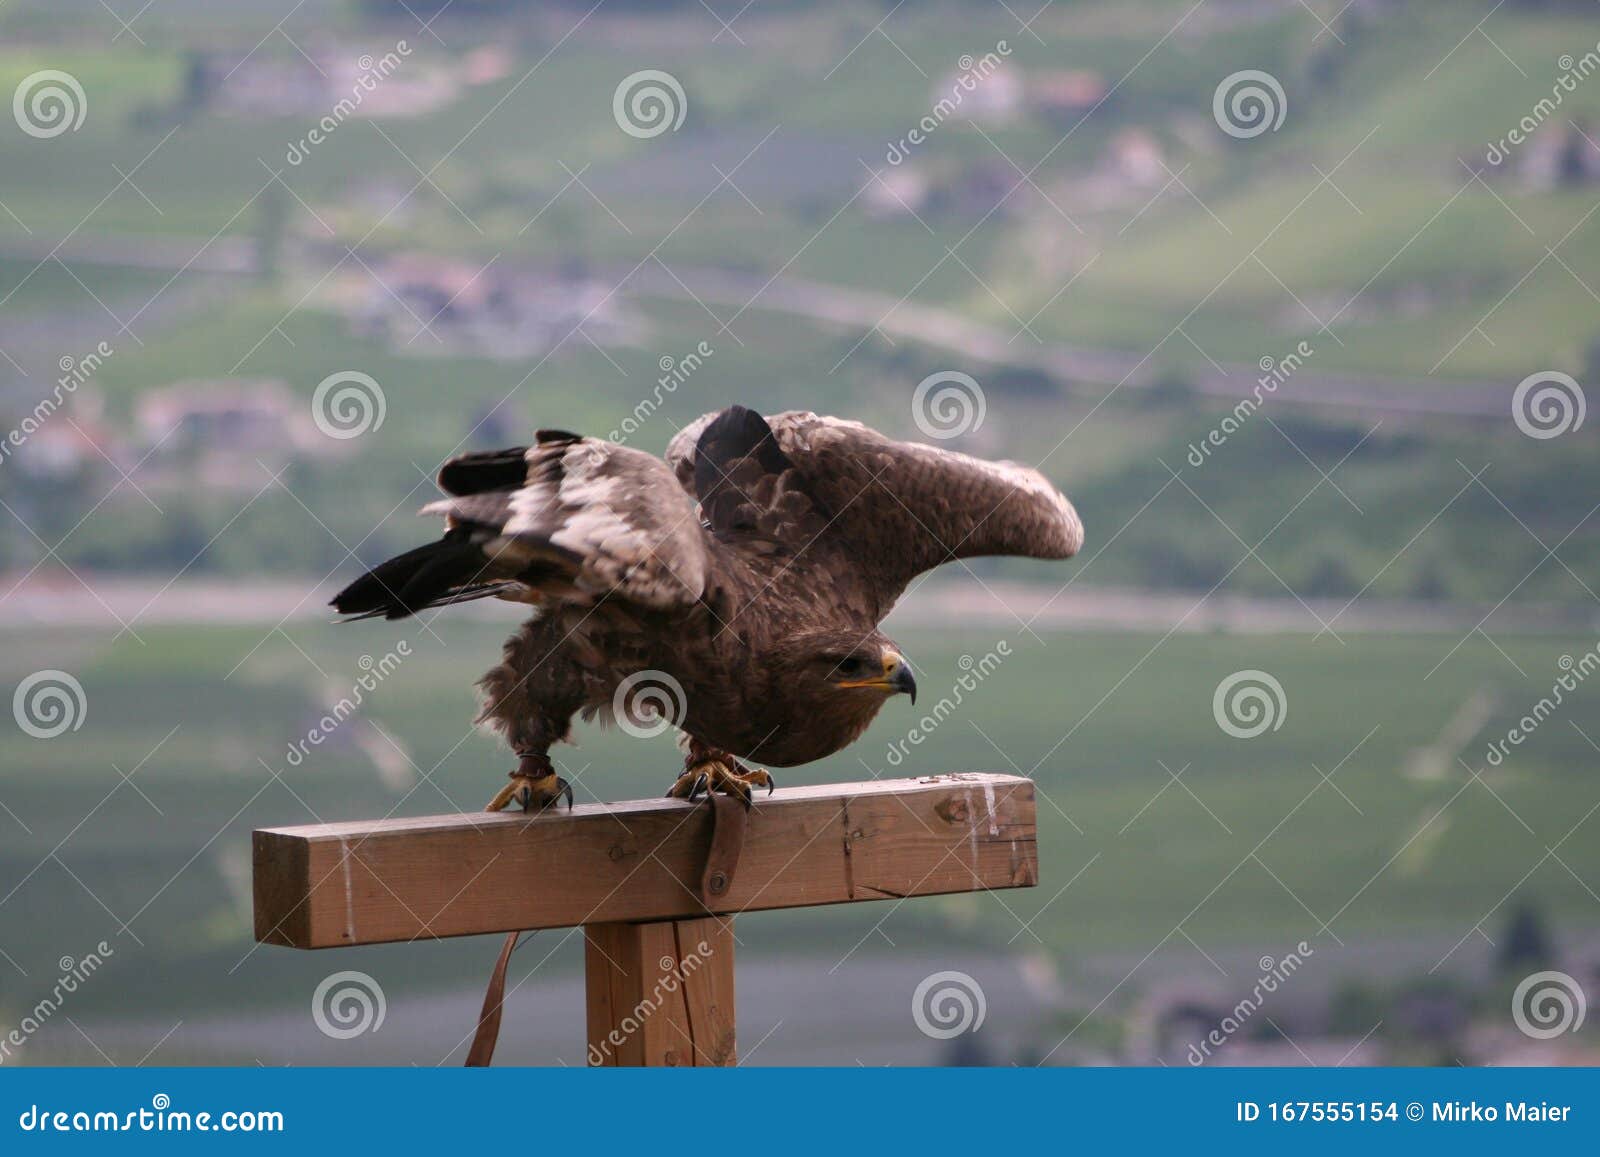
(486, 470)
(555, 437)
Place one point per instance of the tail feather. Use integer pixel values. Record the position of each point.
(466, 594)
(451, 565)
(448, 571)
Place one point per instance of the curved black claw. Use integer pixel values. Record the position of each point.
(563, 788)
(748, 776)
(533, 788)
(700, 783)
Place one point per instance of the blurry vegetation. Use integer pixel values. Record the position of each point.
(499, 196)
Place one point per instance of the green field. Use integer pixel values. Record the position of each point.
(1252, 847)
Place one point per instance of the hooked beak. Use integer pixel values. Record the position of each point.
(897, 677)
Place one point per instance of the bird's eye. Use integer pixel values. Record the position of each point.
(850, 666)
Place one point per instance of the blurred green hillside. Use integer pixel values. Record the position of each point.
(1369, 225)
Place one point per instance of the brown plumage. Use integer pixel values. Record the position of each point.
(736, 586)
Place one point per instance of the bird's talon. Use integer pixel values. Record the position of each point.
(534, 786)
(707, 773)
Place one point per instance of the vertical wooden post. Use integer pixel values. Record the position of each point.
(661, 993)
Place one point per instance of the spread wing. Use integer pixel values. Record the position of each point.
(863, 506)
(568, 518)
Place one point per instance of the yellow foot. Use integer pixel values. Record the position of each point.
(721, 773)
(534, 786)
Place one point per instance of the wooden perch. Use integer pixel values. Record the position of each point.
(631, 873)
(336, 885)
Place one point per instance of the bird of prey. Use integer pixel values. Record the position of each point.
(747, 573)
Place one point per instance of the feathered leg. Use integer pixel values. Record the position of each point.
(708, 769)
(530, 699)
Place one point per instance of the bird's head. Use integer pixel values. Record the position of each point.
(845, 670)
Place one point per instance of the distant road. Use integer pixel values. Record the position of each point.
(222, 255)
(44, 601)
(858, 310)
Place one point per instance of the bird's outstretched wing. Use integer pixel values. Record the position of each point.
(567, 518)
(862, 506)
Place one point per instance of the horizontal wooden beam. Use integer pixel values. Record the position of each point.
(333, 885)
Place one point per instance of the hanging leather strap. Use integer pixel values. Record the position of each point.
(730, 820)
(488, 1034)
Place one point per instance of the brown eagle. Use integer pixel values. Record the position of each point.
(743, 579)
